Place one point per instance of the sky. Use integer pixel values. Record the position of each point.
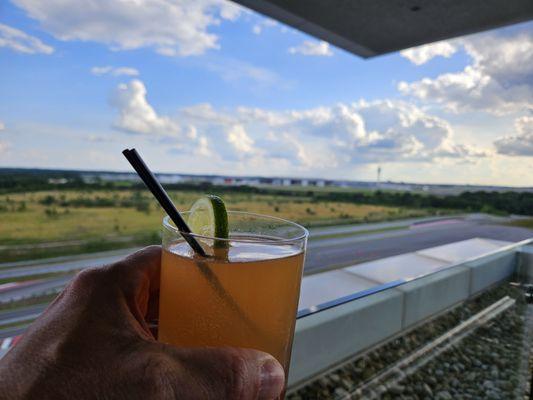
(207, 86)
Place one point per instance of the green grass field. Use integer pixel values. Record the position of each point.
(41, 224)
(523, 223)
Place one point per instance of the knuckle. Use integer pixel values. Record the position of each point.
(157, 369)
(88, 277)
(159, 374)
(237, 379)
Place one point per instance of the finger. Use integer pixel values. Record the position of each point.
(137, 276)
(229, 373)
(146, 261)
(150, 258)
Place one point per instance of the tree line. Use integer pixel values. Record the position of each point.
(471, 201)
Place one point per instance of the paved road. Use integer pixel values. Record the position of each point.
(65, 264)
(357, 249)
(10, 332)
(402, 223)
(322, 253)
(37, 287)
(60, 264)
(7, 314)
(21, 314)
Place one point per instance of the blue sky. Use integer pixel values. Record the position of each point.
(209, 87)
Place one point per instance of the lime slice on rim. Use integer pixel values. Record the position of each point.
(208, 217)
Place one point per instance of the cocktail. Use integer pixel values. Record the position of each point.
(227, 278)
(243, 294)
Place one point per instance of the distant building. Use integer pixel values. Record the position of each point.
(57, 181)
(170, 178)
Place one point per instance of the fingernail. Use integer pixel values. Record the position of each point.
(272, 380)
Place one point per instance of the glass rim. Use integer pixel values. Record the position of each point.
(168, 224)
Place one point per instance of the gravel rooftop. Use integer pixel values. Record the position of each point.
(490, 363)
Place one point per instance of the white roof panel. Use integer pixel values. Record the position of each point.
(463, 250)
(327, 286)
(406, 266)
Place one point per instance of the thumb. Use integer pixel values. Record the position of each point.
(230, 373)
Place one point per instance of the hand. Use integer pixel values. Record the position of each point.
(94, 342)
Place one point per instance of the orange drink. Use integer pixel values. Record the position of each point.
(244, 294)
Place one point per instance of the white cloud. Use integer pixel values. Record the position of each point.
(521, 143)
(136, 115)
(170, 27)
(312, 48)
(239, 139)
(4, 146)
(232, 70)
(322, 137)
(422, 54)
(21, 42)
(498, 80)
(114, 71)
(264, 23)
(99, 139)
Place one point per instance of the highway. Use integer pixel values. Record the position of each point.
(22, 314)
(377, 226)
(40, 286)
(324, 252)
(60, 264)
(334, 252)
(64, 264)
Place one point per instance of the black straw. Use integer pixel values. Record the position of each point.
(161, 196)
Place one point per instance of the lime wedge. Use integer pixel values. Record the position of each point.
(208, 217)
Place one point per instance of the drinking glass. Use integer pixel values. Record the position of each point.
(244, 294)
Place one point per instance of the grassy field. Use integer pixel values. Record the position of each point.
(28, 302)
(523, 223)
(53, 223)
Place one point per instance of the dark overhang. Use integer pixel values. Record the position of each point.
(372, 27)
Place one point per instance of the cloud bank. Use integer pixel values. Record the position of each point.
(312, 48)
(422, 54)
(323, 137)
(114, 71)
(170, 27)
(521, 143)
(499, 79)
(21, 42)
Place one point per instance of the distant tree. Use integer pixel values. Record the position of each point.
(22, 206)
(50, 212)
(143, 206)
(48, 200)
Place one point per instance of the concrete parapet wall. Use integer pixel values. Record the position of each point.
(434, 293)
(525, 264)
(492, 269)
(328, 337)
